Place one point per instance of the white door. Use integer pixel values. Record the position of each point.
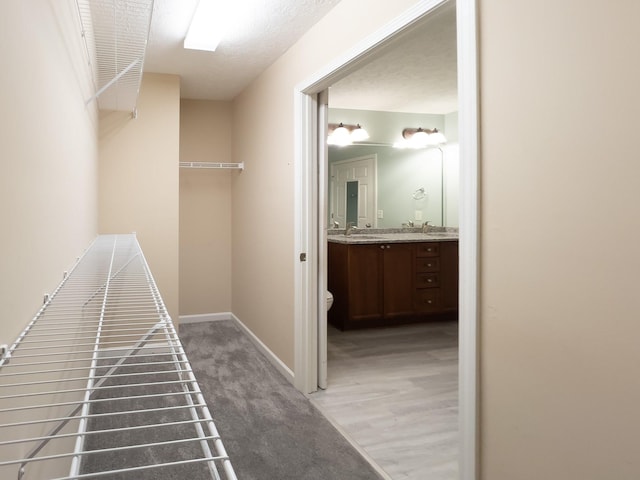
(362, 170)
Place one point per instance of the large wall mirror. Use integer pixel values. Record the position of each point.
(391, 187)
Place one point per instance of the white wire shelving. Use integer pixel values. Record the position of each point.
(214, 165)
(115, 35)
(98, 384)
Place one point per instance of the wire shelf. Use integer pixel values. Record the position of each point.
(99, 386)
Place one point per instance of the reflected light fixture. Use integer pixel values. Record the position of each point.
(420, 138)
(341, 134)
(207, 25)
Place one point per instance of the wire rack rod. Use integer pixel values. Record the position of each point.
(100, 371)
(215, 165)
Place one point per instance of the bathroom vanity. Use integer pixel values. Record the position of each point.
(392, 278)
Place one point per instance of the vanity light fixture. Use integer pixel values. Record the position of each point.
(420, 138)
(341, 134)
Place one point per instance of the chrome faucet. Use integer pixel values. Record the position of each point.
(409, 223)
(336, 224)
(350, 228)
(425, 227)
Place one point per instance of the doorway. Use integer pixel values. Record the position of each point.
(311, 218)
(353, 192)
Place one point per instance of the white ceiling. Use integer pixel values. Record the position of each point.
(264, 31)
(416, 73)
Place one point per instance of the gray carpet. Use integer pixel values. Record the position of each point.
(135, 371)
(270, 430)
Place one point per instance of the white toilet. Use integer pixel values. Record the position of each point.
(329, 300)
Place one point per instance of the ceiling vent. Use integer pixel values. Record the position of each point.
(115, 34)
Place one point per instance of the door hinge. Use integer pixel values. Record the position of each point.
(303, 257)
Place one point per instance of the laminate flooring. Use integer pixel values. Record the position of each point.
(394, 392)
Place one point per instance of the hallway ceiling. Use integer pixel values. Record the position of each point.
(244, 53)
(415, 73)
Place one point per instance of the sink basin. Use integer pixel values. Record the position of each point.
(365, 237)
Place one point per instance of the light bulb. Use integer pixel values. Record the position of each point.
(437, 138)
(340, 136)
(419, 139)
(359, 134)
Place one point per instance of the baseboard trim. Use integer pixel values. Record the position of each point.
(272, 357)
(206, 317)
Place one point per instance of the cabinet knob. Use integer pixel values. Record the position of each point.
(429, 280)
(428, 264)
(382, 247)
(429, 302)
(388, 246)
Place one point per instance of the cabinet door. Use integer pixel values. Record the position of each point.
(365, 285)
(449, 274)
(398, 267)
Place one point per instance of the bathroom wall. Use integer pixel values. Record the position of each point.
(205, 208)
(139, 178)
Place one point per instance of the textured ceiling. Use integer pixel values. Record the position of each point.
(254, 42)
(416, 73)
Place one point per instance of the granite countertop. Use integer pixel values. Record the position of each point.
(398, 235)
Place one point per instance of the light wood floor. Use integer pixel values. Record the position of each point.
(394, 391)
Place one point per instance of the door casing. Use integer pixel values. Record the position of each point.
(310, 214)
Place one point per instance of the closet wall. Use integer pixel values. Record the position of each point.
(205, 208)
(48, 154)
(139, 178)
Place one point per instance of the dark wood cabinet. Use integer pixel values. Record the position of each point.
(397, 271)
(391, 283)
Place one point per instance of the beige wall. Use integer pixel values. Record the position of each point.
(560, 303)
(48, 153)
(205, 208)
(138, 174)
(263, 195)
(48, 180)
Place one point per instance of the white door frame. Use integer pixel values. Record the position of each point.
(310, 228)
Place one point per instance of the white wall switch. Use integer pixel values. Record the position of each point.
(380, 214)
(418, 215)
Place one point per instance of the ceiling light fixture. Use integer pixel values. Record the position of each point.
(420, 138)
(341, 134)
(207, 25)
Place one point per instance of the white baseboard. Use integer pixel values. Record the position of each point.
(272, 357)
(206, 317)
(266, 351)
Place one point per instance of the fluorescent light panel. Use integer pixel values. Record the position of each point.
(207, 26)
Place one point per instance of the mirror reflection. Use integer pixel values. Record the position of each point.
(374, 184)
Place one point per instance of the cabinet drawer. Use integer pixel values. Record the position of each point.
(427, 280)
(428, 300)
(427, 264)
(428, 249)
